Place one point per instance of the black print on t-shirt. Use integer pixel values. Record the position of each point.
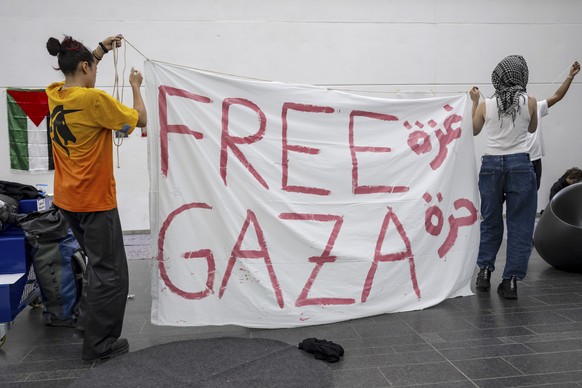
(60, 132)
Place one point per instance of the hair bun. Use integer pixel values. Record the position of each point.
(54, 46)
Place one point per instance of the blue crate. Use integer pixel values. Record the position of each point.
(12, 231)
(11, 288)
(14, 252)
(26, 206)
(16, 292)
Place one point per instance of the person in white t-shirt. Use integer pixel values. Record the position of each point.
(506, 174)
(535, 141)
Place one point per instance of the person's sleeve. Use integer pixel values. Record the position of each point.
(111, 114)
(552, 192)
(543, 108)
(556, 187)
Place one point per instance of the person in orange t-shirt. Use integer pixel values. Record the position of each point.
(82, 121)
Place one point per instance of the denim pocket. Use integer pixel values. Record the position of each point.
(521, 181)
(487, 182)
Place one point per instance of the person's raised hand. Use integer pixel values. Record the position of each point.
(475, 94)
(575, 69)
(110, 41)
(135, 78)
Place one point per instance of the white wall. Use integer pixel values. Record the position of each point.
(377, 47)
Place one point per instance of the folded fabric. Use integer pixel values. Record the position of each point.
(322, 349)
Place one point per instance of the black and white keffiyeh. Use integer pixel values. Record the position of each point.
(510, 80)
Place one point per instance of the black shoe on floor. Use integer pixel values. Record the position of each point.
(484, 280)
(508, 288)
(120, 346)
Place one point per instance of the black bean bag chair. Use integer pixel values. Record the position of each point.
(558, 234)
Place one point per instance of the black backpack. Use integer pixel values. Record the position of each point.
(322, 349)
(58, 263)
(19, 191)
(8, 210)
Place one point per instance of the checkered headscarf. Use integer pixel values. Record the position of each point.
(510, 80)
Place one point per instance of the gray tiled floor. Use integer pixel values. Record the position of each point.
(476, 341)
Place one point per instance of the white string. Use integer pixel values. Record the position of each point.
(118, 141)
(135, 48)
(327, 86)
(543, 92)
(335, 86)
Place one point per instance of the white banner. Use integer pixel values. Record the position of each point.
(276, 205)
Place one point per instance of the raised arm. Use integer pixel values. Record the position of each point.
(563, 89)
(478, 110)
(135, 80)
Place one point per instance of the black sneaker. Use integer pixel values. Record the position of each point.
(508, 288)
(120, 346)
(484, 280)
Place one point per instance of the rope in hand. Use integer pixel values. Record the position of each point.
(118, 137)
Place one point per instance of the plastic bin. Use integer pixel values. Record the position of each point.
(18, 286)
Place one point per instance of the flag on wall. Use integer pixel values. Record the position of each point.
(29, 140)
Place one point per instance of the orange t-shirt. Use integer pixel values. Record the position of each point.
(81, 124)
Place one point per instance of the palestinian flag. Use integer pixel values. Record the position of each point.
(29, 139)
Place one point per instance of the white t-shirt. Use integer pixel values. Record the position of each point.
(506, 136)
(535, 141)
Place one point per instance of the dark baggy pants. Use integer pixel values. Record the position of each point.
(106, 281)
(537, 165)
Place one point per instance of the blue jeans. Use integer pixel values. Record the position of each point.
(509, 178)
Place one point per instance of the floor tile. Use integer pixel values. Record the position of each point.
(467, 344)
(405, 340)
(517, 319)
(384, 360)
(364, 377)
(560, 298)
(430, 325)
(485, 351)
(393, 329)
(440, 372)
(556, 327)
(486, 368)
(555, 346)
(534, 380)
(555, 336)
(574, 314)
(54, 352)
(43, 366)
(563, 361)
(485, 333)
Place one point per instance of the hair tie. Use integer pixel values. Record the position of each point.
(69, 44)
